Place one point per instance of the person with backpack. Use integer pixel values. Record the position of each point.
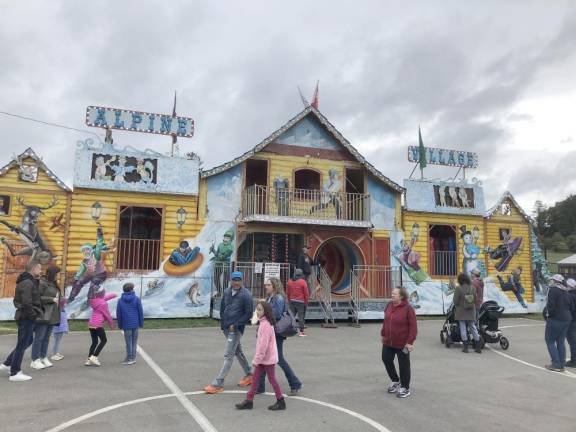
(571, 336)
(558, 315)
(130, 317)
(275, 297)
(399, 330)
(465, 312)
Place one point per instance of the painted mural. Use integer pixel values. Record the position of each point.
(382, 205)
(331, 194)
(504, 252)
(308, 133)
(471, 251)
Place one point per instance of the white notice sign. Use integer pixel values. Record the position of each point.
(272, 270)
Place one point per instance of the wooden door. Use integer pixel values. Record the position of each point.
(382, 252)
(12, 266)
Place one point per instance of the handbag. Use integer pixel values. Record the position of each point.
(286, 326)
(46, 314)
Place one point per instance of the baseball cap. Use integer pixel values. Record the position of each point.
(558, 278)
(571, 283)
(236, 275)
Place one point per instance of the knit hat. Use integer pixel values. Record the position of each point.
(571, 283)
(558, 278)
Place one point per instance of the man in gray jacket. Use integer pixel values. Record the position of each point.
(28, 308)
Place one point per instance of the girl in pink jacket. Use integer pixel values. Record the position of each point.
(265, 358)
(100, 313)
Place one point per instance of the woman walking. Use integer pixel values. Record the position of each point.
(50, 296)
(465, 312)
(398, 334)
(265, 358)
(558, 315)
(100, 313)
(298, 297)
(275, 298)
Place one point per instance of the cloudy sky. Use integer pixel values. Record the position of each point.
(492, 77)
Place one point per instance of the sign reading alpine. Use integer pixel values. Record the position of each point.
(114, 118)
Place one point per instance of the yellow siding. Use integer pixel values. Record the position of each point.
(515, 215)
(83, 228)
(45, 183)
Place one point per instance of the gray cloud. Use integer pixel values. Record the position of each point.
(458, 70)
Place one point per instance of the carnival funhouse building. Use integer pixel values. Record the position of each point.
(176, 231)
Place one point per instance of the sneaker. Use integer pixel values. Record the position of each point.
(94, 360)
(393, 387)
(294, 392)
(403, 393)
(37, 364)
(4, 368)
(57, 357)
(569, 363)
(125, 362)
(19, 377)
(246, 381)
(553, 368)
(88, 362)
(210, 389)
(131, 362)
(46, 362)
(245, 404)
(302, 334)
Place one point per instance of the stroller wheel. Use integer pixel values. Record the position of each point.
(504, 343)
(442, 337)
(448, 342)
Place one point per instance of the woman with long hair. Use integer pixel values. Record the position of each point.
(276, 298)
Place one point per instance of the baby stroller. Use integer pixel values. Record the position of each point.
(489, 314)
(450, 332)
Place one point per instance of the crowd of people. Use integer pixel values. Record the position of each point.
(41, 313)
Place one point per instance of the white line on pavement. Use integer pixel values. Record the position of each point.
(566, 374)
(92, 414)
(192, 409)
(522, 325)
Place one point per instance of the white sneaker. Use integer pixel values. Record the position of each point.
(94, 360)
(57, 357)
(37, 364)
(19, 377)
(88, 362)
(4, 368)
(46, 362)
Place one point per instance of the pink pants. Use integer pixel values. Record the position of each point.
(271, 373)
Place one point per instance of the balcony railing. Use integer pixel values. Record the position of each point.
(443, 263)
(137, 254)
(264, 203)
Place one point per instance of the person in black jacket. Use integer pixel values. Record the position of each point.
(558, 314)
(571, 336)
(305, 263)
(28, 308)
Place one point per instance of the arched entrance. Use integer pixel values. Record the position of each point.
(338, 255)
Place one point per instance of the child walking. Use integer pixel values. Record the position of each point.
(59, 331)
(100, 313)
(265, 358)
(130, 317)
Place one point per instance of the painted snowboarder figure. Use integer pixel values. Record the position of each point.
(330, 194)
(504, 252)
(92, 268)
(121, 170)
(514, 284)
(184, 254)
(221, 260)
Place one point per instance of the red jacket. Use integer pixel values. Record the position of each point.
(297, 290)
(399, 327)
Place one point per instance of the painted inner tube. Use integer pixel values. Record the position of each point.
(175, 270)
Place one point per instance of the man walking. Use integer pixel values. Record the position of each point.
(305, 263)
(236, 310)
(28, 308)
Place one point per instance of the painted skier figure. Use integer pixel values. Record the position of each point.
(221, 260)
(514, 284)
(121, 170)
(330, 194)
(407, 257)
(92, 269)
(184, 254)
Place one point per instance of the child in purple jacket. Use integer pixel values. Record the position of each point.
(100, 313)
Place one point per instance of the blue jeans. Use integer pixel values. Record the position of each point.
(293, 380)
(42, 333)
(555, 337)
(571, 337)
(233, 348)
(131, 339)
(464, 326)
(56, 344)
(25, 336)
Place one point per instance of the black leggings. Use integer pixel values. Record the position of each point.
(95, 334)
(388, 354)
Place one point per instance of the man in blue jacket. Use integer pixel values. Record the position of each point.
(130, 318)
(236, 310)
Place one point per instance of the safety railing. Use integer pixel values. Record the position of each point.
(305, 204)
(137, 254)
(443, 263)
(374, 281)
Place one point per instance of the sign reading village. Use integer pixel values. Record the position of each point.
(114, 118)
(438, 156)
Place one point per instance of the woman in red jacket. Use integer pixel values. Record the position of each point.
(398, 333)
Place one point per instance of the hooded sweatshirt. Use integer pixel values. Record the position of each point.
(266, 350)
(560, 304)
(297, 291)
(27, 298)
(129, 311)
(100, 311)
(399, 326)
